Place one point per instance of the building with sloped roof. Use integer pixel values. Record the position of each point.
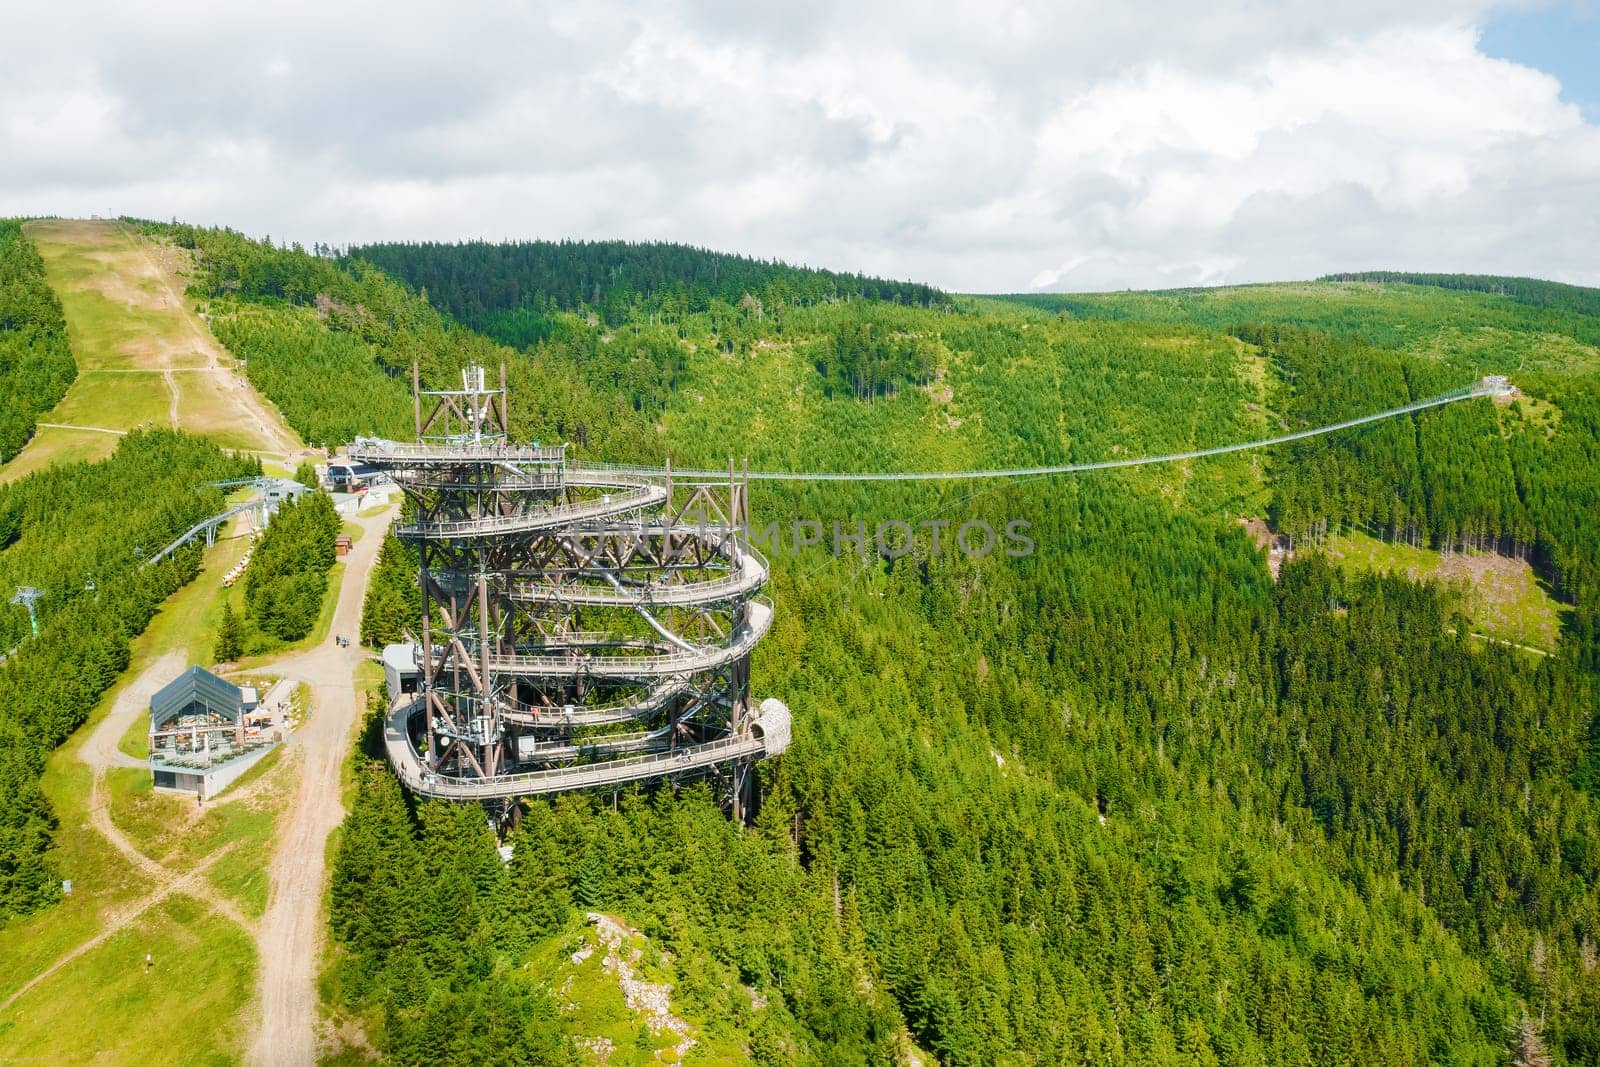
(202, 735)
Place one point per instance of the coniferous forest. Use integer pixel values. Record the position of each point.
(1532, 291)
(73, 533)
(1128, 798)
(36, 364)
(510, 290)
(288, 574)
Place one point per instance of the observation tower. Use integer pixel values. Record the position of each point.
(582, 627)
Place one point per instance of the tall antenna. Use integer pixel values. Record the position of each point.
(472, 415)
(27, 596)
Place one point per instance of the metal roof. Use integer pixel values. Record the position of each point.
(194, 691)
(402, 658)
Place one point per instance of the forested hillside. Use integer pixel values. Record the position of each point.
(288, 574)
(1489, 322)
(1523, 480)
(1125, 798)
(1532, 291)
(332, 344)
(77, 532)
(36, 364)
(509, 290)
(1475, 477)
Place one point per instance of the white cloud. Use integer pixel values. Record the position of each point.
(979, 147)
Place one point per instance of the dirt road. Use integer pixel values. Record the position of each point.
(291, 931)
(101, 752)
(89, 263)
(288, 936)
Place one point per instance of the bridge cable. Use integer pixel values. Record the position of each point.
(1064, 468)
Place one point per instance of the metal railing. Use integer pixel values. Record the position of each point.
(408, 765)
(751, 576)
(755, 625)
(535, 518)
(381, 453)
(596, 714)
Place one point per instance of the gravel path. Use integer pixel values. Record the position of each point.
(290, 936)
(100, 753)
(100, 750)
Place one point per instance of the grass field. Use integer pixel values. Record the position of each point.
(51, 444)
(191, 1007)
(114, 401)
(170, 828)
(1503, 597)
(107, 1007)
(144, 356)
(1489, 348)
(102, 882)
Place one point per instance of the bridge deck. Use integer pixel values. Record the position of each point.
(757, 621)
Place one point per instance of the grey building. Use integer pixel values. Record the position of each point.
(400, 670)
(201, 736)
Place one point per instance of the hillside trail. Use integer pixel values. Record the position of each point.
(248, 402)
(119, 918)
(173, 396)
(85, 429)
(100, 749)
(289, 937)
(90, 263)
(101, 753)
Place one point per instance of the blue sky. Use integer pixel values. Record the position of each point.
(1559, 39)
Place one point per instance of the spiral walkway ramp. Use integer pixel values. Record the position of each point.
(582, 627)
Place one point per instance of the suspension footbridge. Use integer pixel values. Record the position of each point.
(587, 625)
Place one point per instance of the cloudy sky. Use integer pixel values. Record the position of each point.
(980, 146)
